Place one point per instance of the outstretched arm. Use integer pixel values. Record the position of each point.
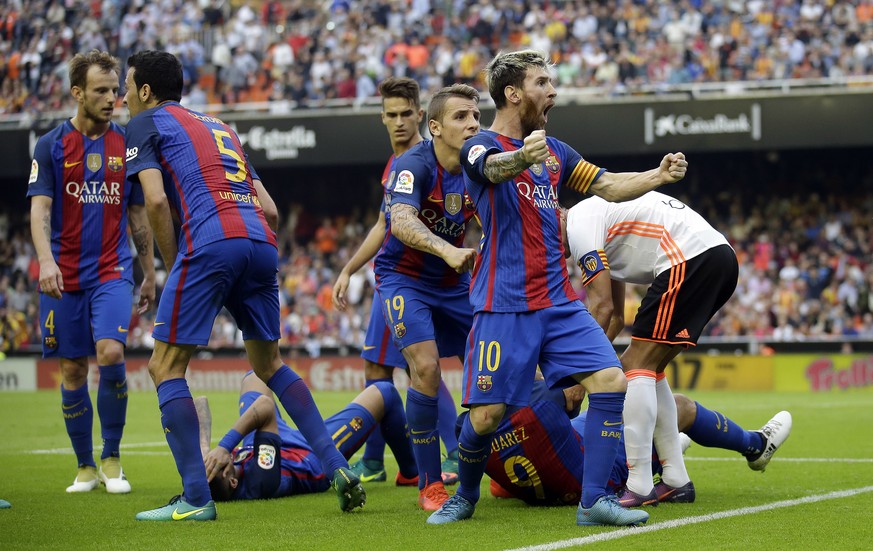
(624, 186)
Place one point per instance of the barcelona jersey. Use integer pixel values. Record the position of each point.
(521, 264)
(207, 177)
(444, 207)
(90, 197)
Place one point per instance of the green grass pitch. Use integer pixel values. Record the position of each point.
(796, 504)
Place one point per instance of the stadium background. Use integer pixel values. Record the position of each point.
(778, 140)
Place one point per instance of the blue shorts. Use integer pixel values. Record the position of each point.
(378, 345)
(504, 350)
(238, 274)
(71, 325)
(418, 312)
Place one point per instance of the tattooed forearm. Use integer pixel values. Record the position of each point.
(47, 227)
(142, 240)
(501, 167)
(406, 226)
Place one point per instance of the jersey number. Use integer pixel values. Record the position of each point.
(489, 356)
(239, 175)
(394, 305)
(532, 479)
(50, 322)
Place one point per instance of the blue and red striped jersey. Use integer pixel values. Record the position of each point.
(90, 196)
(521, 264)
(207, 176)
(537, 456)
(417, 179)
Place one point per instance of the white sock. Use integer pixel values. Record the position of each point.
(666, 437)
(640, 410)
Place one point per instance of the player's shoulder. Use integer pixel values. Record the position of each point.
(116, 128)
(57, 133)
(421, 156)
(475, 146)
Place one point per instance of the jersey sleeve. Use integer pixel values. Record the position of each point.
(473, 154)
(264, 476)
(42, 174)
(579, 174)
(411, 181)
(584, 225)
(142, 142)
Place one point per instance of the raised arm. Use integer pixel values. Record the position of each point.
(624, 186)
(501, 167)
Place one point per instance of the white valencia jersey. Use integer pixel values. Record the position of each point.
(637, 240)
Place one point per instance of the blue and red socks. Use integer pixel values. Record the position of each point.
(421, 414)
(79, 420)
(712, 429)
(602, 435)
(182, 430)
(295, 397)
(112, 407)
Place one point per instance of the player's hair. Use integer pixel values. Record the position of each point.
(436, 109)
(80, 64)
(220, 489)
(161, 71)
(509, 69)
(401, 87)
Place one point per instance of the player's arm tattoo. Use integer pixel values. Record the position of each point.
(501, 167)
(47, 226)
(142, 238)
(408, 228)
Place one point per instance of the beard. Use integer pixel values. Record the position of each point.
(530, 117)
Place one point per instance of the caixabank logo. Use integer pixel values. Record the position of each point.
(661, 125)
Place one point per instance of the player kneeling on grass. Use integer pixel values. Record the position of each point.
(274, 460)
(537, 452)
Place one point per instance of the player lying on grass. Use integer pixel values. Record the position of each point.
(537, 452)
(274, 460)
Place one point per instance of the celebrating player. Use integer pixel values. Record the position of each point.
(537, 453)
(226, 257)
(79, 212)
(691, 271)
(526, 311)
(275, 460)
(421, 270)
(401, 115)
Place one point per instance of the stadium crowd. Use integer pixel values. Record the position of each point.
(297, 53)
(811, 279)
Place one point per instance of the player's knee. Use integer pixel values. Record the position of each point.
(485, 419)
(74, 372)
(611, 379)
(109, 352)
(377, 371)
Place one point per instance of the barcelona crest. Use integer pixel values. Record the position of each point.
(483, 383)
(94, 162)
(50, 342)
(552, 164)
(536, 169)
(356, 423)
(115, 163)
(399, 330)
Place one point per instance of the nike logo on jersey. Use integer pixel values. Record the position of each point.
(159, 323)
(122, 329)
(182, 516)
(68, 164)
(368, 347)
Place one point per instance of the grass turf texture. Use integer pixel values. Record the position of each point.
(829, 428)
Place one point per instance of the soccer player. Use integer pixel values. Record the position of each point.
(421, 270)
(526, 311)
(537, 452)
(691, 271)
(401, 115)
(81, 205)
(274, 460)
(226, 256)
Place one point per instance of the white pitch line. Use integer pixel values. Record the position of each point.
(678, 523)
(790, 459)
(123, 447)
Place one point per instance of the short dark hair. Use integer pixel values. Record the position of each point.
(437, 106)
(220, 489)
(80, 64)
(161, 71)
(509, 69)
(401, 87)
